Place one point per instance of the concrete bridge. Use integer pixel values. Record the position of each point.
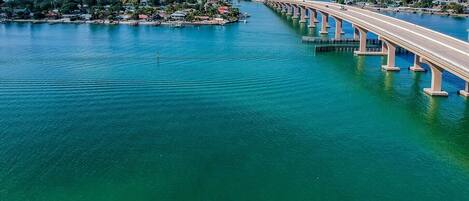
(439, 51)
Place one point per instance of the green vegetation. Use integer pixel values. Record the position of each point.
(457, 8)
(454, 7)
(117, 9)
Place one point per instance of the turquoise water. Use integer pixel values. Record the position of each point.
(240, 112)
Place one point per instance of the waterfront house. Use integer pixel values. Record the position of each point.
(178, 15)
(70, 17)
(21, 13)
(143, 17)
(52, 15)
(223, 10)
(124, 17)
(85, 17)
(162, 15)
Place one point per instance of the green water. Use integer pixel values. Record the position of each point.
(240, 112)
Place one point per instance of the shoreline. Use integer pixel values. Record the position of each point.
(426, 11)
(129, 23)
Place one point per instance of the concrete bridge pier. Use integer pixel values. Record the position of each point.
(356, 33)
(285, 8)
(384, 46)
(338, 27)
(278, 7)
(362, 36)
(324, 23)
(289, 9)
(465, 91)
(435, 89)
(274, 6)
(312, 18)
(302, 14)
(295, 11)
(391, 53)
(417, 67)
(327, 21)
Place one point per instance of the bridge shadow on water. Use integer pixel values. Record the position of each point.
(447, 119)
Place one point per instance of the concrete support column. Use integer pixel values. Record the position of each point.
(338, 28)
(384, 47)
(465, 91)
(356, 33)
(312, 18)
(324, 23)
(289, 9)
(391, 53)
(295, 11)
(435, 89)
(327, 21)
(362, 37)
(302, 14)
(417, 67)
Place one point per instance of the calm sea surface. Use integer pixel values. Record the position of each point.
(239, 112)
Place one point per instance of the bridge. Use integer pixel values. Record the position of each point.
(439, 51)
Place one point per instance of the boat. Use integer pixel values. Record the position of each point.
(177, 25)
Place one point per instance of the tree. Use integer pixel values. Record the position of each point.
(90, 3)
(424, 4)
(406, 2)
(155, 2)
(43, 6)
(457, 8)
(68, 6)
(116, 6)
(102, 2)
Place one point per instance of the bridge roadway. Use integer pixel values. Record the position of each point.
(441, 52)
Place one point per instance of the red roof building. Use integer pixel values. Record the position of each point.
(223, 9)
